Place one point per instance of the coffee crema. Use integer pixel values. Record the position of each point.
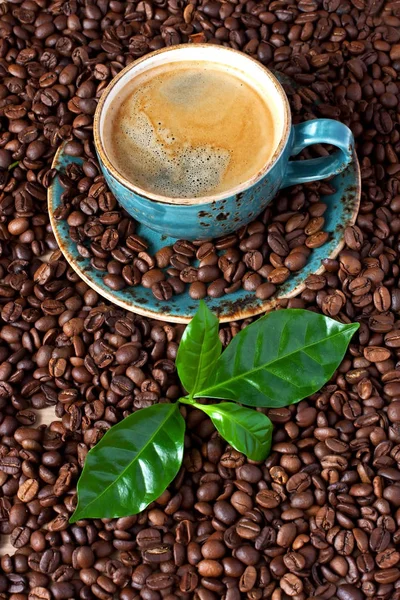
(189, 129)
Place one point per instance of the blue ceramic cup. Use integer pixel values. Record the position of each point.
(221, 214)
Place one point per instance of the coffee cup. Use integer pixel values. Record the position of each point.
(195, 140)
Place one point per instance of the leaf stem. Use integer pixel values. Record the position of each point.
(187, 400)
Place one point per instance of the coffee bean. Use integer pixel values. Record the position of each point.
(295, 261)
(20, 536)
(349, 592)
(114, 282)
(251, 281)
(28, 490)
(253, 260)
(291, 584)
(213, 549)
(392, 494)
(163, 256)
(241, 502)
(317, 240)
(121, 385)
(247, 529)
(197, 290)
(294, 561)
(162, 290)
(184, 247)
(217, 288)
(265, 291)
(204, 250)
(278, 275)
(146, 538)
(376, 353)
(278, 244)
(152, 277)
(379, 539)
(268, 499)
(83, 557)
(208, 274)
(247, 555)
(178, 287)
(179, 261)
(286, 535)
(127, 353)
(18, 515)
(39, 593)
(388, 558)
(160, 581)
(298, 482)
(248, 579)
(157, 554)
(225, 512)
(210, 568)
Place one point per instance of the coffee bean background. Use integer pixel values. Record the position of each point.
(320, 518)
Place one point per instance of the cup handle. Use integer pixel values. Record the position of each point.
(319, 131)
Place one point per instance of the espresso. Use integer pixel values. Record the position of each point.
(189, 129)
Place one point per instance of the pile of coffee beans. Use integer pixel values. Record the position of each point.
(257, 258)
(320, 518)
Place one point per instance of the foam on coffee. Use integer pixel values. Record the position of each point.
(189, 129)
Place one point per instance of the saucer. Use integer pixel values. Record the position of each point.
(342, 211)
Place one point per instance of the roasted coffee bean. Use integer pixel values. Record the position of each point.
(157, 554)
(247, 529)
(349, 592)
(28, 490)
(278, 275)
(184, 247)
(20, 536)
(213, 549)
(217, 288)
(162, 290)
(268, 499)
(208, 274)
(376, 353)
(295, 260)
(197, 290)
(152, 277)
(248, 579)
(114, 282)
(265, 291)
(163, 256)
(294, 561)
(179, 261)
(210, 568)
(253, 260)
(291, 584)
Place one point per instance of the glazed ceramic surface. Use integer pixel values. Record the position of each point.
(214, 216)
(342, 211)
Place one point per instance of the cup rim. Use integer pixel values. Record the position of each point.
(202, 199)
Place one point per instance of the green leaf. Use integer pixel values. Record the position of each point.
(132, 464)
(247, 430)
(198, 350)
(280, 359)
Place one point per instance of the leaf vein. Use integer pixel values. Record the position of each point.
(203, 393)
(138, 455)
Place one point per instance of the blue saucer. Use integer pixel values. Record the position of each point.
(342, 211)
